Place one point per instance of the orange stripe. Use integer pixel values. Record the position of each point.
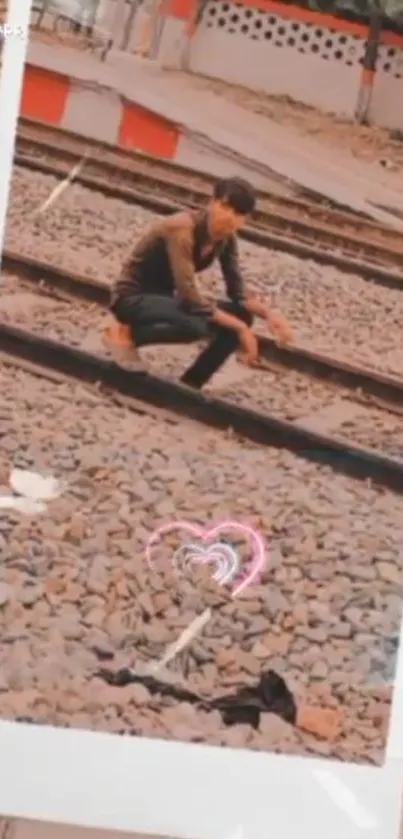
(44, 95)
(391, 39)
(178, 9)
(183, 9)
(367, 77)
(149, 132)
(320, 19)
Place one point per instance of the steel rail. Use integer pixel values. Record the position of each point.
(43, 135)
(254, 234)
(386, 388)
(114, 170)
(300, 206)
(300, 216)
(265, 430)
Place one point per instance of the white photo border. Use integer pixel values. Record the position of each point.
(13, 59)
(168, 788)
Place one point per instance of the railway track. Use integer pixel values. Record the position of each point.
(388, 389)
(308, 230)
(263, 428)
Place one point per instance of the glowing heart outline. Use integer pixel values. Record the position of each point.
(206, 534)
(214, 554)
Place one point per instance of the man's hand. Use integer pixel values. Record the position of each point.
(280, 327)
(275, 321)
(249, 347)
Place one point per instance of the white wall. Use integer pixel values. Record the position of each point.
(277, 70)
(311, 64)
(93, 113)
(265, 52)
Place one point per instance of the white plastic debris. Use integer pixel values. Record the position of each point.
(63, 185)
(29, 506)
(32, 485)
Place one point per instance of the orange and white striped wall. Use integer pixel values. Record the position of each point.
(102, 113)
(265, 45)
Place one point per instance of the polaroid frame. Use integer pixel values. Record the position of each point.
(171, 789)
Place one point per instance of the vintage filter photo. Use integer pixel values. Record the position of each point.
(201, 529)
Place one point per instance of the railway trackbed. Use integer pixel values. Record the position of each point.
(306, 229)
(341, 454)
(388, 389)
(265, 430)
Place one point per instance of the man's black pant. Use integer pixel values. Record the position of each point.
(161, 320)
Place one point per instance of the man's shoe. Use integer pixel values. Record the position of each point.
(117, 338)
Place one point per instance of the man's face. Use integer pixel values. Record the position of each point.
(224, 220)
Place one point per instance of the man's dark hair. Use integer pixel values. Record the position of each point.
(237, 193)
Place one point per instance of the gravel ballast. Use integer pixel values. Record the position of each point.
(75, 586)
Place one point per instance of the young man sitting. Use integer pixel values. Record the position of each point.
(156, 299)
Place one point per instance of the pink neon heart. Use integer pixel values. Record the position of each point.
(209, 535)
(215, 554)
